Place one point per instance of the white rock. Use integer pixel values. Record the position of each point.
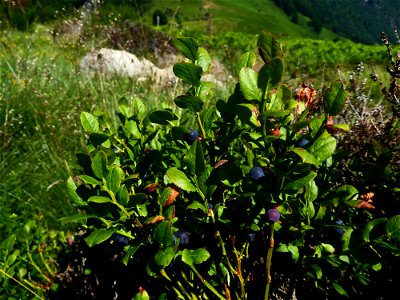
(123, 63)
(119, 62)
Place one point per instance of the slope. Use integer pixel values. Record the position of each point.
(246, 16)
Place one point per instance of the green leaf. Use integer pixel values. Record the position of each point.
(370, 226)
(71, 188)
(246, 60)
(114, 178)
(8, 244)
(346, 239)
(344, 258)
(343, 194)
(278, 99)
(180, 180)
(270, 75)
(200, 255)
(24, 234)
(188, 47)
(294, 250)
(299, 183)
(99, 165)
(344, 127)
(323, 147)
(163, 234)
(315, 124)
(124, 108)
(130, 253)
(204, 59)
(205, 90)
(393, 227)
(197, 256)
(248, 79)
(339, 289)
(334, 99)
(123, 195)
(186, 257)
(131, 129)
(268, 47)
(389, 246)
(139, 108)
(197, 205)
(99, 236)
(189, 73)
(89, 180)
(248, 113)
(162, 117)
(191, 102)
(76, 218)
(89, 122)
(194, 159)
(311, 192)
(306, 156)
(164, 256)
(99, 199)
(163, 198)
(328, 248)
(308, 210)
(12, 258)
(97, 139)
(318, 270)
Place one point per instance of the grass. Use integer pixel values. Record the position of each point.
(240, 15)
(42, 93)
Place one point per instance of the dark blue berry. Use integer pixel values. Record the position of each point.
(337, 229)
(183, 236)
(210, 206)
(121, 240)
(257, 174)
(191, 136)
(273, 215)
(251, 236)
(301, 143)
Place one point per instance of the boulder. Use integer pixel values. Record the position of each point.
(123, 63)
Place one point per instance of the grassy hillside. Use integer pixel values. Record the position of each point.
(240, 15)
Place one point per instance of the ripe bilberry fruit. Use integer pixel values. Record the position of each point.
(191, 136)
(251, 236)
(121, 240)
(256, 174)
(339, 230)
(183, 236)
(273, 215)
(301, 143)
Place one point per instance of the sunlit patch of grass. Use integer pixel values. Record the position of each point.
(42, 93)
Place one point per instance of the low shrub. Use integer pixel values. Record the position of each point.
(227, 200)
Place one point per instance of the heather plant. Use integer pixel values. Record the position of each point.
(220, 199)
